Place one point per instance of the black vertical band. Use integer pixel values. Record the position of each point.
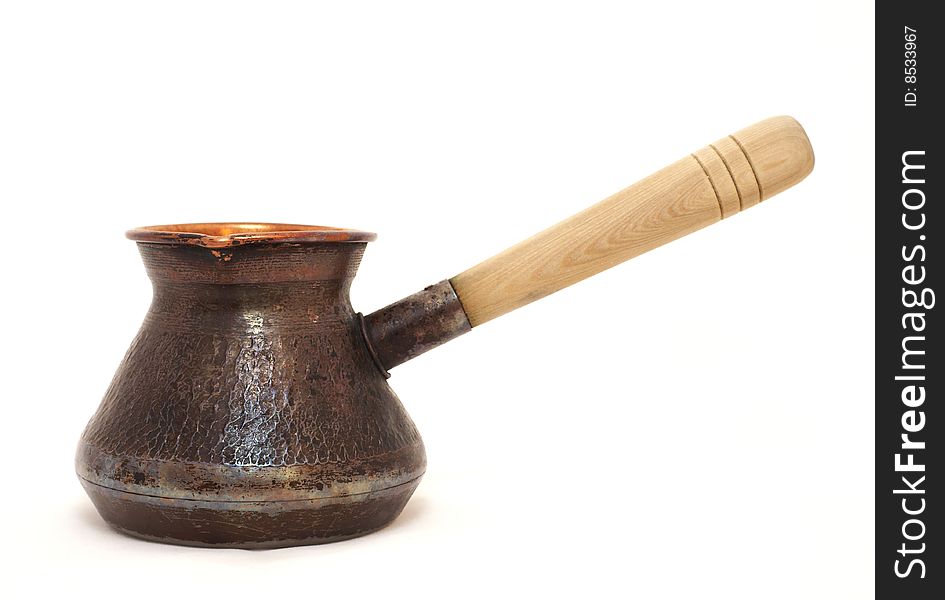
(910, 368)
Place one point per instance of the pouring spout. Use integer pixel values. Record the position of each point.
(411, 326)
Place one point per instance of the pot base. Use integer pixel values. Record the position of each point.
(249, 525)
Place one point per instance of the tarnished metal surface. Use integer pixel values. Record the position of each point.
(217, 481)
(248, 411)
(419, 322)
(249, 524)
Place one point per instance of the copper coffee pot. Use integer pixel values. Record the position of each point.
(252, 409)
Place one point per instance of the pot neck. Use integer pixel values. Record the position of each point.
(169, 264)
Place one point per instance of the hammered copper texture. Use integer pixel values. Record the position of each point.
(251, 400)
(250, 381)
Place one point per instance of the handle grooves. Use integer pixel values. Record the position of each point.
(713, 183)
(724, 209)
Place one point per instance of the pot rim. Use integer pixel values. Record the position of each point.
(229, 234)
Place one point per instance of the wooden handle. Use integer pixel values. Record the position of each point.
(715, 182)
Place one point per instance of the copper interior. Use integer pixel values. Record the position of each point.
(221, 235)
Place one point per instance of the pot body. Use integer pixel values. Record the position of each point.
(248, 411)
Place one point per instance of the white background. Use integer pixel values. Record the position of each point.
(696, 423)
